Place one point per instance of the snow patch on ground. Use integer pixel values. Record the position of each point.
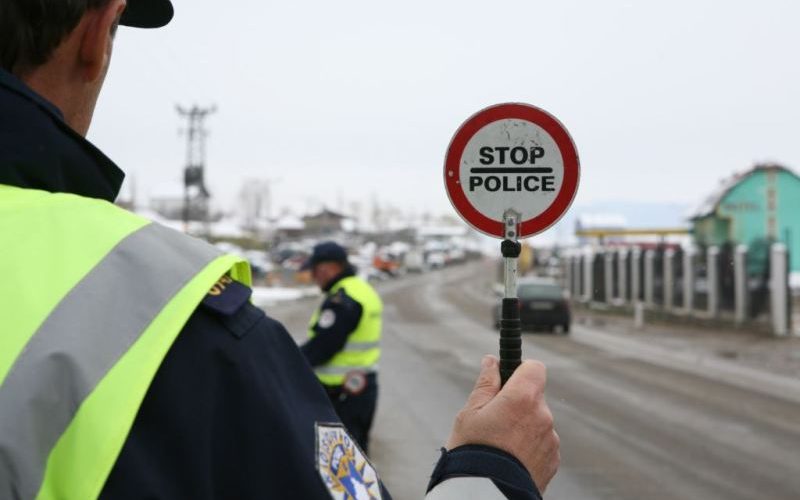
(267, 296)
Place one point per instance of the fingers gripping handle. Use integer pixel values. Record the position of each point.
(510, 339)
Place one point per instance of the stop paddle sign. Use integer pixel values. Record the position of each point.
(511, 157)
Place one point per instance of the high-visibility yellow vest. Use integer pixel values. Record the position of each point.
(362, 351)
(91, 299)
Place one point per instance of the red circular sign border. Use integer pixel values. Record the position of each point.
(476, 122)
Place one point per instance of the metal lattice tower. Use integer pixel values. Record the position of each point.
(194, 188)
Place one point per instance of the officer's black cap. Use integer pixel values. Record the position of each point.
(328, 251)
(147, 13)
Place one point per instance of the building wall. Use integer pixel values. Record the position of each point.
(711, 230)
(764, 206)
(745, 206)
(788, 219)
(323, 224)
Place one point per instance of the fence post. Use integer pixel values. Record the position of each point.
(740, 283)
(779, 288)
(688, 279)
(567, 276)
(649, 277)
(622, 266)
(669, 279)
(588, 275)
(712, 281)
(608, 276)
(638, 314)
(636, 278)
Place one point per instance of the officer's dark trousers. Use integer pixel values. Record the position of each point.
(356, 411)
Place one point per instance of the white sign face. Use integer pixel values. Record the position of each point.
(511, 164)
(514, 158)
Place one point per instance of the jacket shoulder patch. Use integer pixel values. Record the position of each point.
(227, 296)
(338, 297)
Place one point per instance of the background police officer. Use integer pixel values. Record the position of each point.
(344, 338)
(120, 377)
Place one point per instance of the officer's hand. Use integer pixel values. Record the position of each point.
(515, 419)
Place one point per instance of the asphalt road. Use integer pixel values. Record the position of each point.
(633, 425)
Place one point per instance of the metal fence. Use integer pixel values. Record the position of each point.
(726, 282)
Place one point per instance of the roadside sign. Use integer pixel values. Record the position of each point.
(511, 158)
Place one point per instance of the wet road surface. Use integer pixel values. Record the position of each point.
(633, 425)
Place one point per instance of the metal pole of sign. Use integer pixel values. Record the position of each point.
(510, 338)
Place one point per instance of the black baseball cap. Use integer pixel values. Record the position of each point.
(147, 13)
(328, 251)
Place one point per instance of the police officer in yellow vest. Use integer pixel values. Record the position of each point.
(132, 364)
(344, 338)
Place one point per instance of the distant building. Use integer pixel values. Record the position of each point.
(325, 223)
(754, 208)
(442, 232)
(600, 223)
(167, 200)
(288, 227)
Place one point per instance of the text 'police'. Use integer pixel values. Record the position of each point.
(499, 177)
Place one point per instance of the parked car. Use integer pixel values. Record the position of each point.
(542, 304)
(436, 260)
(386, 262)
(414, 261)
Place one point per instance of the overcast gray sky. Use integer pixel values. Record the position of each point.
(359, 99)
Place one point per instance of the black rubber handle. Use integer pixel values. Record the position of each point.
(510, 339)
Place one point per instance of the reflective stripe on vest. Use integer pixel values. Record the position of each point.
(74, 372)
(344, 370)
(362, 350)
(361, 346)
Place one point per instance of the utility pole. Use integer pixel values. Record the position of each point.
(194, 187)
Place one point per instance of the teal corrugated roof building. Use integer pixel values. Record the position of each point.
(755, 207)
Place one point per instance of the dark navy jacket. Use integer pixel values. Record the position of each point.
(232, 411)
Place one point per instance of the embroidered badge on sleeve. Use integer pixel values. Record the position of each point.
(326, 318)
(344, 469)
